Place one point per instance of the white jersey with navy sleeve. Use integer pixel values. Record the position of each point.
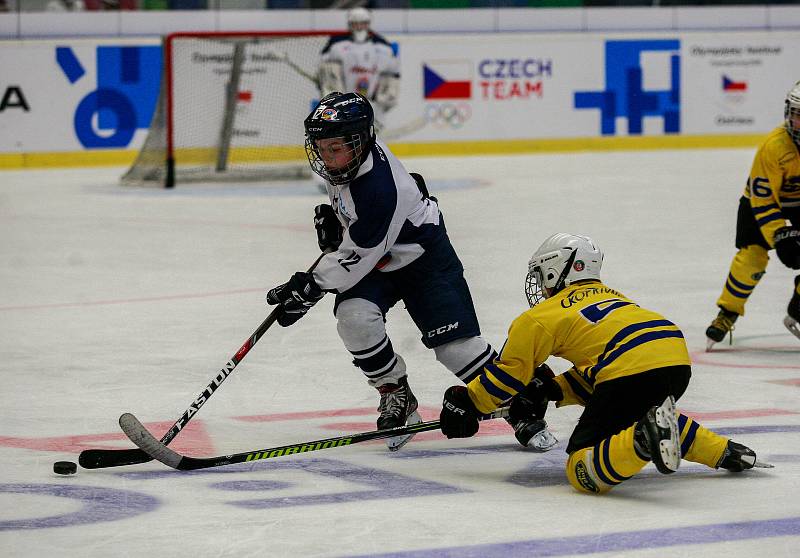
(387, 222)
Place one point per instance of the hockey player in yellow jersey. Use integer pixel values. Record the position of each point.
(771, 199)
(630, 364)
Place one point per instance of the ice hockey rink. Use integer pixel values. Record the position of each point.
(120, 299)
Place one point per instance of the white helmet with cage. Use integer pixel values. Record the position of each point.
(791, 112)
(358, 21)
(560, 261)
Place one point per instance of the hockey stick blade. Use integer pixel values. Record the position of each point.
(102, 458)
(148, 443)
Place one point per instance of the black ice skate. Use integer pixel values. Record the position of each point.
(737, 458)
(792, 319)
(720, 327)
(656, 437)
(398, 407)
(533, 433)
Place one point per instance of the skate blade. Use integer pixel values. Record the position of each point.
(670, 450)
(543, 441)
(763, 465)
(398, 442)
(710, 344)
(792, 326)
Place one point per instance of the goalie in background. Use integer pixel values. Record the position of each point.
(387, 242)
(768, 218)
(630, 365)
(362, 62)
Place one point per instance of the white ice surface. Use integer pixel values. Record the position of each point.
(115, 299)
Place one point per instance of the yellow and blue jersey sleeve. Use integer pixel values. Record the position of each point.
(528, 345)
(575, 389)
(774, 182)
(603, 333)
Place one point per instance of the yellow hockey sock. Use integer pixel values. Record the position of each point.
(747, 268)
(599, 468)
(699, 444)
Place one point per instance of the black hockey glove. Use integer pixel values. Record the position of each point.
(787, 246)
(459, 417)
(532, 402)
(329, 229)
(295, 297)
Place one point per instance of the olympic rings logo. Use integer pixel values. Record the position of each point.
(448, 115)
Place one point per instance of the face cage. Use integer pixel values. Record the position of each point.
(340, 176)
(792, 114)
(534, 290)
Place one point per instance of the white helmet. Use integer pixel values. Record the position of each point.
(791, 112)
(560, 261)
(358, 21)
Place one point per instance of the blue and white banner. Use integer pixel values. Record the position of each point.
(95, 95)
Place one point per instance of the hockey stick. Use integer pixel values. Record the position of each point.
(101, 458)
(404, 129)
(148, 443)
(276, 56)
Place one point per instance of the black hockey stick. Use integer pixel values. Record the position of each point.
(148, 443)
(102, 458)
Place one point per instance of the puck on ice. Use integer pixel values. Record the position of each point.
(65, 467)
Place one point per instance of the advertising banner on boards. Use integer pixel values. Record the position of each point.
(93, 95)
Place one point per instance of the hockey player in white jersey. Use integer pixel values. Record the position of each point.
(387, 243)
(363, 62)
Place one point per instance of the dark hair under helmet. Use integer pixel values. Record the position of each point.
(340, 115)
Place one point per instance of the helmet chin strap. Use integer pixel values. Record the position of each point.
(564, 272)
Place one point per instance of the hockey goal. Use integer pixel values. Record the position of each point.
(231, 107)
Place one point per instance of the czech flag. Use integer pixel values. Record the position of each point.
(730, 85)
(456, 85)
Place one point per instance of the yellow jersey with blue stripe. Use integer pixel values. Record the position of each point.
(601, 331)
(774, 182)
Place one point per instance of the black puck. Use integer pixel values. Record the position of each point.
(65, 467)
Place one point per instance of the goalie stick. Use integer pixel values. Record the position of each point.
(278, 56)
(102, 458)
(404, 129)
(148, 443)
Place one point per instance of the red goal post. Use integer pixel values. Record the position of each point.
(231, 107)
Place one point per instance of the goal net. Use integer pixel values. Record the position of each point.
(231, 107)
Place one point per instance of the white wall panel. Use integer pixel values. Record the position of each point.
(85, 24)
(621, 19)
(544, 19)
(705, 18)
(161, 23)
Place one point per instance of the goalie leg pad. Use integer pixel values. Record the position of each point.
(387, 91)
(330, 77)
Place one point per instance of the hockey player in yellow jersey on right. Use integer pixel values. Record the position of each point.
(771, 198)
(630, 365)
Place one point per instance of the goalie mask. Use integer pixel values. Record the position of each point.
(339, 136)
(358, 20)
(561, 260)
(791, 113)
